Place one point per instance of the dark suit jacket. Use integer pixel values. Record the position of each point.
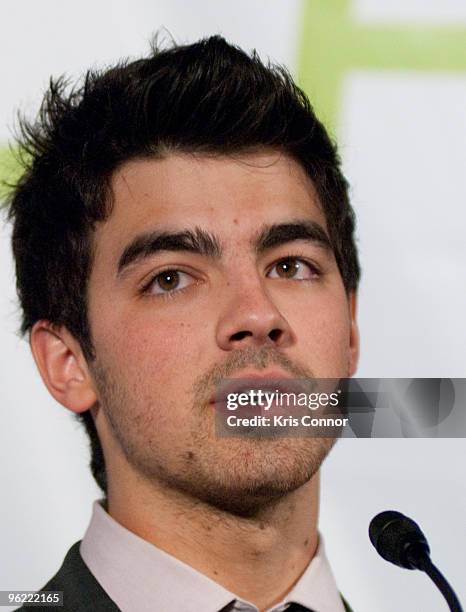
(81, 591)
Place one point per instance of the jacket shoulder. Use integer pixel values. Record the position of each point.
(81, 591)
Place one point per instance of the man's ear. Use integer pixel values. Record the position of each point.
(354, 335)
(62, 366)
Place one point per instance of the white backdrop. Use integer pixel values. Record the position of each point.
(402, 139)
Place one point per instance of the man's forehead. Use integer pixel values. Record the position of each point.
(233, 196)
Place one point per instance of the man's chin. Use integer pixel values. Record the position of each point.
(257, 476)
(246, 502)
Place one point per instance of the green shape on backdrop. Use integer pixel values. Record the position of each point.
(333, 43)
(10, 170)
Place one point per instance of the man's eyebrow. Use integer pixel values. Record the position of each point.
(145, 245)
(205, 243)
(301, 229)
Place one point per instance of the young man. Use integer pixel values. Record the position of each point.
(183, 219)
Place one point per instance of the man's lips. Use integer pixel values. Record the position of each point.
(268, 381)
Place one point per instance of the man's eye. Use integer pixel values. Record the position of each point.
(294, 268)
(167, 282)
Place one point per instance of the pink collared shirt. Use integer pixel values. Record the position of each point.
(140, 577)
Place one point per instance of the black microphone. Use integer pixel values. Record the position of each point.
(399, 539)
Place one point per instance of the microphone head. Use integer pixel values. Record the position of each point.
(394, 535)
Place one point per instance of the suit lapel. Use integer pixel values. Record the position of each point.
(81, 591)
(346, 604)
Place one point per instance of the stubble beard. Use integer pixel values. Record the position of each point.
(242, 477)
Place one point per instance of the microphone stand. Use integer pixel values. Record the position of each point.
(420, 559)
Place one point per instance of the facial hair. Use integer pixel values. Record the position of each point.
(239, 476)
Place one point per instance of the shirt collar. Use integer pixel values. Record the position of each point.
(139, 576)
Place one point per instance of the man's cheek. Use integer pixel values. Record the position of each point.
(151, 340)
(325, 338)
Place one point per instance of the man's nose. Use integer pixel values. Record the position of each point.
(251, 318)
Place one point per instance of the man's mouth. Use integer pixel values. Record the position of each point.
(256, 387)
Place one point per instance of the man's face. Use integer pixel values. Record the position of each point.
(168, 324)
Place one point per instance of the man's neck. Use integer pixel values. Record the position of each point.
(258, 558)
